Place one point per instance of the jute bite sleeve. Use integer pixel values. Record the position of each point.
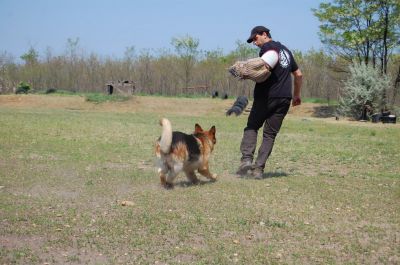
(253, 69)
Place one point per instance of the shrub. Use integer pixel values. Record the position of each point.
(51, 90)
(23, 88)
(365, 86)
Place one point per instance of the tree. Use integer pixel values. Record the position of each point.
(186, 47)
(30, 57)
(364, 29)
(6, 67)
(320, 81)
(364, 87)
(72, 55)
(72, 49)
(389, 27)
(145, 70)
(128, 63)
(31, 71)
(243, 51)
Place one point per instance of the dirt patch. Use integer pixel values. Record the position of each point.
(50, 255)
(193, 107)
(30, 101)
(313, 110)
(14, 241)
(196, 107)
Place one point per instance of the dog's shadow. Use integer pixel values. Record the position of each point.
(187, 183)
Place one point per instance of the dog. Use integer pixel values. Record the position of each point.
(177, 152)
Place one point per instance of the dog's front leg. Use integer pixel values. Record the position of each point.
(206, 173)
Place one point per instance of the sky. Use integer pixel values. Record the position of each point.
(108, 27)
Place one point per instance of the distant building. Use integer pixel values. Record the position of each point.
(125, 88)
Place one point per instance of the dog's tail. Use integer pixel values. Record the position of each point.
(166, 135)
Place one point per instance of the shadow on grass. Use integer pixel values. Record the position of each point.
(187, 183)
(324, 111)
(276, 174)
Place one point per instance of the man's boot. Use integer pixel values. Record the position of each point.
(257, 173)
(244, 168)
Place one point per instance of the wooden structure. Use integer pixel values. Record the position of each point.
(126, 88)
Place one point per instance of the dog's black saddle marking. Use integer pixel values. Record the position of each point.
(189, 141)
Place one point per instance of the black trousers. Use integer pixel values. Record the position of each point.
(270, 113)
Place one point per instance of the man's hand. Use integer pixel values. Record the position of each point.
(296, 101)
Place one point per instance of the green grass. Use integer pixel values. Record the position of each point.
(331, 195)
(101, 97)
(320, 101)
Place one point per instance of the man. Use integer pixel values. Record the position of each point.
(271, 101)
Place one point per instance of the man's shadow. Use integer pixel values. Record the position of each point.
(276, 174)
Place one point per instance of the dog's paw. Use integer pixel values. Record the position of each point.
(168, 186)
(214, 177)
(195, 182)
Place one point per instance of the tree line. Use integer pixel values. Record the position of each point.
(186, 71)
(363, 31)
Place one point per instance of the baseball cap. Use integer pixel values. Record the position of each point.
(256, 30)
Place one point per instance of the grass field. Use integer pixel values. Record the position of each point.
(331, 192)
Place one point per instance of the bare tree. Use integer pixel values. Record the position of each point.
(186, 47)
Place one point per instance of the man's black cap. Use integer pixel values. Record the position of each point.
(256, 30)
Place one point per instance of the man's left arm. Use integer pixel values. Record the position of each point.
(298, 80)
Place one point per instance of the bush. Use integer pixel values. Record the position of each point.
(365, 86)
(51, 90)
(23, 88)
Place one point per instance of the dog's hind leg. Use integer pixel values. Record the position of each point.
(162, 168)
(162, 173)
(169, 183)
(172, 173)
(192, 177)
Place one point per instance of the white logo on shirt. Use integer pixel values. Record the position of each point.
(284, 58)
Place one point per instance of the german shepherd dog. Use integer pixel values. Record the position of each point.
(177, 151)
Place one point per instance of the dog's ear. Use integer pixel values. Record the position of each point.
(212, 130)
(197, 128)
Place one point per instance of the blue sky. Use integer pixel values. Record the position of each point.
(108, 27)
